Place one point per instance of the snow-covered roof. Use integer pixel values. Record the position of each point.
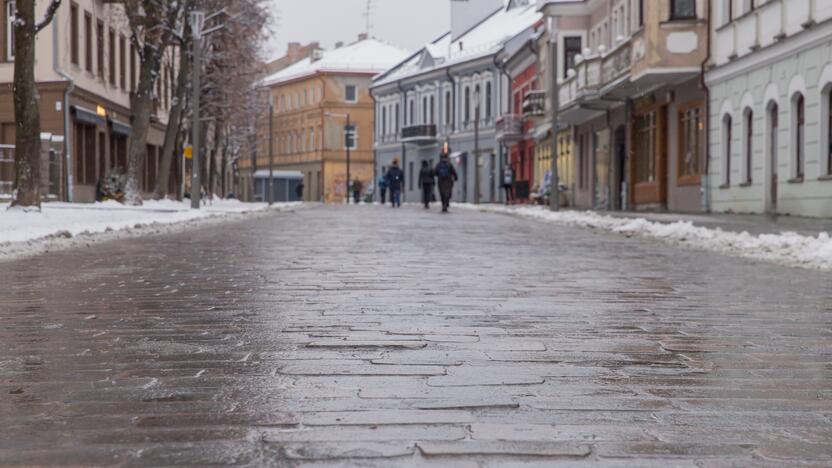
(484, 39)
(367, 56)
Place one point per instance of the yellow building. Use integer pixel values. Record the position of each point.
(313, 100)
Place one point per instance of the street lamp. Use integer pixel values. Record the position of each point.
(349, 139)
(197, 24)
(477, 145)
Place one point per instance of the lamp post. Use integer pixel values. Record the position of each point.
(271, 154)
(554, 189)
(197, 23)
(477, 145)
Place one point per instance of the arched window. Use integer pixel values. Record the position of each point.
(799, 135)
(448, 108)
(488, 100)
(828, 130)
(748, 117)
(726, 149)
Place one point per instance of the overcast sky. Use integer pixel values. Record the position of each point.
(406, 23)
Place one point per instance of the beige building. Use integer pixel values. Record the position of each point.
(312, 100)
(86, 71)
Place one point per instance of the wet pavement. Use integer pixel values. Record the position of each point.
(366, 336)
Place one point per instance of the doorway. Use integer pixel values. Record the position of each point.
(620, 168)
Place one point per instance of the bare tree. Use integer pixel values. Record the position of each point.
(26, 102)
(153, 25)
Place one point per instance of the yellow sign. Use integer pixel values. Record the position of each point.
(189, 152)
(101, 111)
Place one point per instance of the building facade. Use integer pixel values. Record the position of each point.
(314, 101)
(770, 84)
(86, 72)
(630, 94)
(452, 91)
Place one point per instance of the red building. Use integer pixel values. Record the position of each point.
(520, 142)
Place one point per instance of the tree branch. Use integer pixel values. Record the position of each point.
(48, 16)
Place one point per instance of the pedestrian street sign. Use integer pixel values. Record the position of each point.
(189, 152)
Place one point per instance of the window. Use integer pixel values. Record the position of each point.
(132, 67)
(448, 107)
(640, 13)
(73, 34)
(112, 42)
(312, 142)
(488, 100)
(100, 38)
(410, 171)
(828, 148)
(571, 48)
(749, 147)
(122, 53)
(412, 117)
(727, 11)
(432, 119)
(397, 118)
(467, 105)
(88, 42)
(424, 110)
(645, 144)
(351, 93)
(799, 135)
(726, 149)
(682, 9)
(691, 131)
(384, 120)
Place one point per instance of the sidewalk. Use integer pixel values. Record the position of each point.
(752, 224)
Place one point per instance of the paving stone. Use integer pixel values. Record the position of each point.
(360, 433)
(534, 449)
(485, 375)
(389, 417)
(311, 368)
(347, 450)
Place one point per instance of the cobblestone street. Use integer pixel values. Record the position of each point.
(366, 336)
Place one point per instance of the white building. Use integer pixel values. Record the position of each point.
(770, 80)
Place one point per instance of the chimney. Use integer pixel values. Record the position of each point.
(363, 37)
(339, 44)
(317, 54)
(294, 51)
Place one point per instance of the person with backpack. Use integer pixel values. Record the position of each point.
(446, 176)
(382, 185)
(426, 182)
(357, 187)
(395, 180)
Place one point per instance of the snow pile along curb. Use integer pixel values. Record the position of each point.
(66, 225)
(787, 248)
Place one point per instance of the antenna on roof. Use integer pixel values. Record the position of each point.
(368, 16)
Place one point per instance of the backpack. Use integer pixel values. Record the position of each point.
(443, 170)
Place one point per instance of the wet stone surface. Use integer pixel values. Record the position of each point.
(381, 338)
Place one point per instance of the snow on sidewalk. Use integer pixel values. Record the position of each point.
(787, 248)
(57, 224)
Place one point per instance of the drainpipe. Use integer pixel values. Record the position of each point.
(69, 89)
(706, 179)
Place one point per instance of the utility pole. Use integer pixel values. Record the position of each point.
(477, 147)
(271, 153)
(197, 23)
(554, 189)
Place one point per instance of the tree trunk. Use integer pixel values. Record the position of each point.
(174, 125)
(26, 110)
(142, 110)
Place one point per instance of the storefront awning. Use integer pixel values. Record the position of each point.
(120, 128)
(86, 116)
(293, 175)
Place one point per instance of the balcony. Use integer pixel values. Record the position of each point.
(510, 128)
(534, 104)
(420, 134)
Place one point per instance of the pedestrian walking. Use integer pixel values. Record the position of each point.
(357, 186)
(427, 178)
(446, 176)
(382, 185)
(395, 179)
(508, 183)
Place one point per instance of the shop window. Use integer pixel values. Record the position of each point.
(691, 134)
(645, 146)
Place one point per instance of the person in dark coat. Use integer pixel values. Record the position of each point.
(299, 191)
(426, 182)
(395, 180)
(357, 187)
(446, 176)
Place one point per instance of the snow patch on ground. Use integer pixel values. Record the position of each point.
(65, 225)
(786, 248)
